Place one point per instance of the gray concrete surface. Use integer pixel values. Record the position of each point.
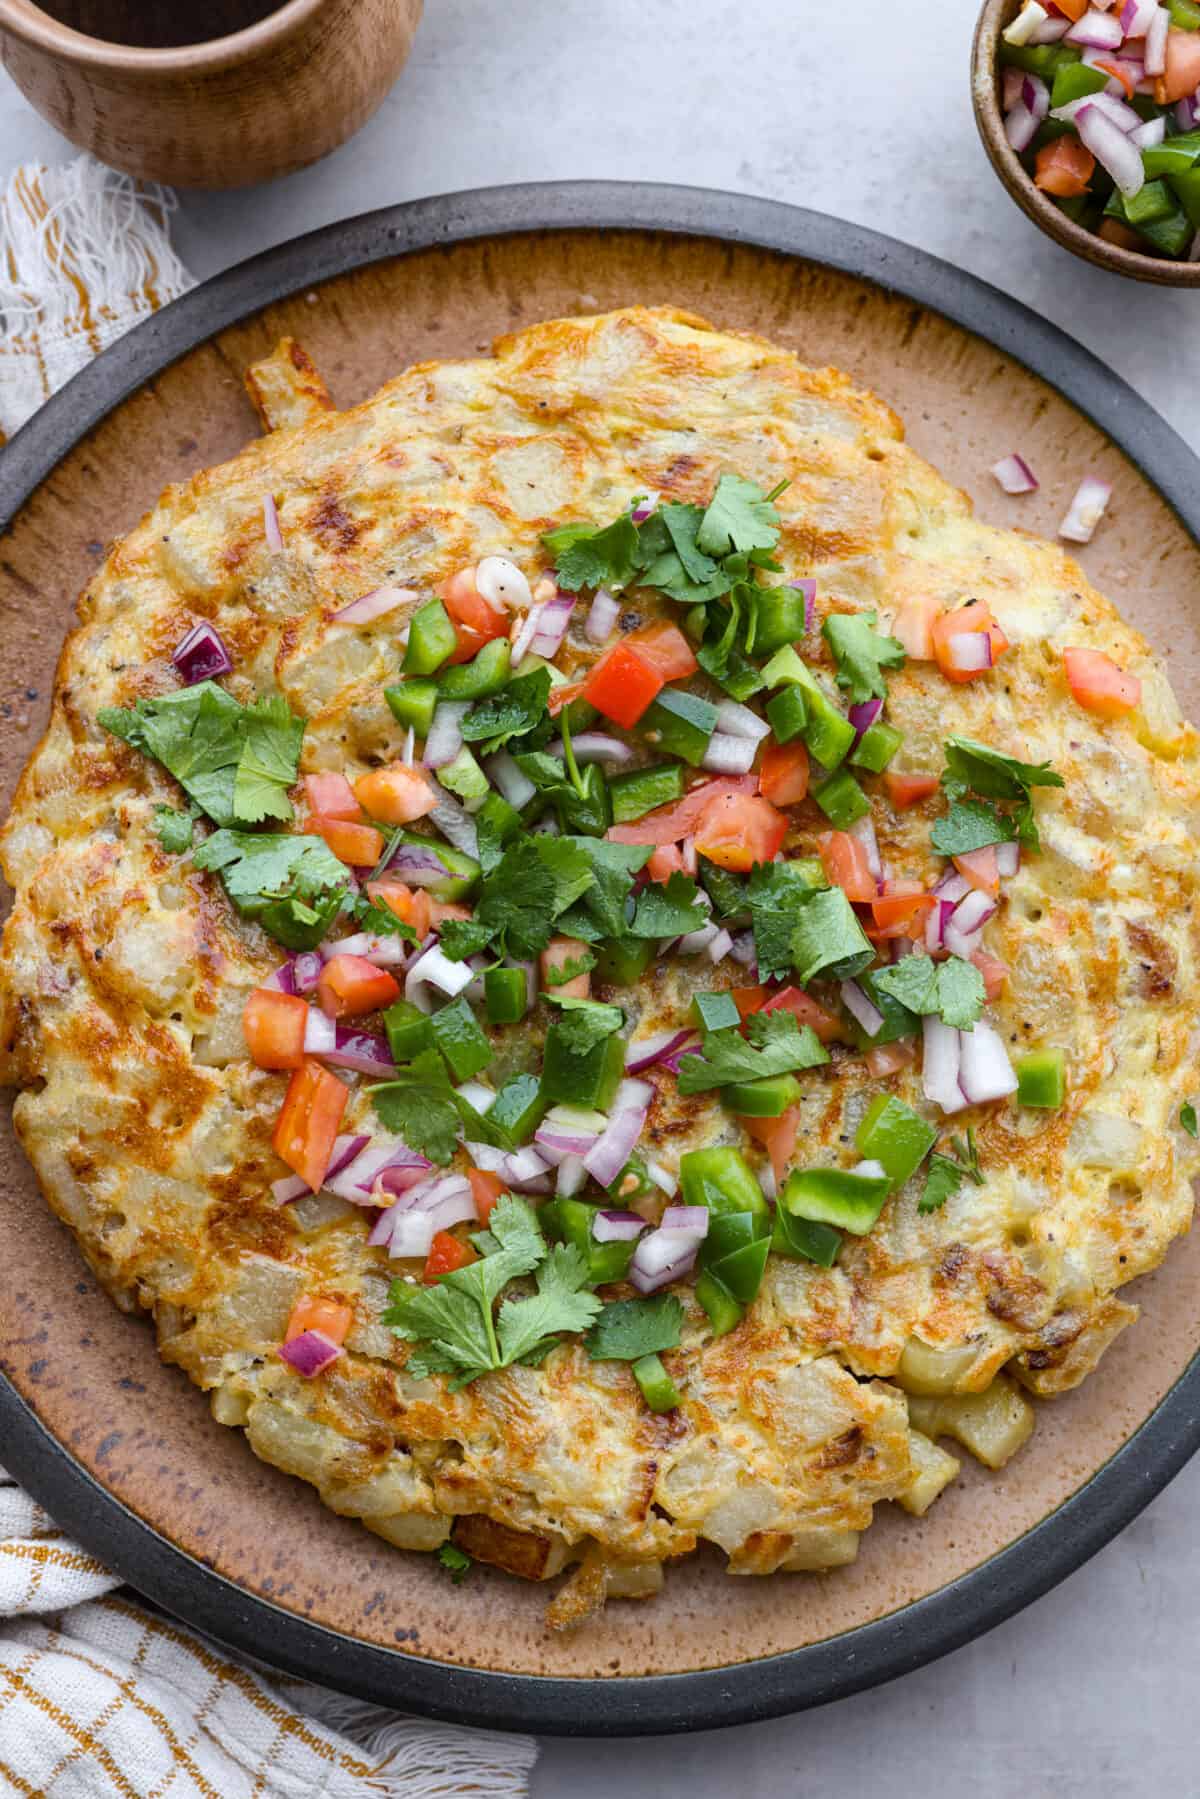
(860, 110)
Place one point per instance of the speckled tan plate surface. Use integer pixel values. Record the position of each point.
(113, 1415)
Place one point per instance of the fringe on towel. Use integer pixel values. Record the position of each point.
(84, 254)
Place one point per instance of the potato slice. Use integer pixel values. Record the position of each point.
(992, 1425)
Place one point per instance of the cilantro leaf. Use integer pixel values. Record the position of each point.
(514, 711)
(584, 1022)
(684, 524)
(419, 1106)
(827, 938)
(781, 1046)
(588, 558)
(528, 1328)
(381, 921)
(455, 1561)
(668, 909)
(535, 880)
(292, 885)
(612, 866)
(861, 653)
(953, 990)
(630, 1328)
(945, 1174)
(463, 937)
(236, 762)
(568, 970)
(975, 767)
(175, 830)
(740, 516)
(1187, 1118)
(971, 825)
(774, 892)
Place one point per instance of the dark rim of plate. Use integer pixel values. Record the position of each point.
(872, 1653)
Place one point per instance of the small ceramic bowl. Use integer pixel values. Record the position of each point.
(985, 92)
(225, 113)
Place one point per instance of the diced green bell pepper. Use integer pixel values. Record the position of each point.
(640, 792)
(518, 1108)
(572, 1221)
(463, 871)
(485, 674)
(412, 704)
(1075, 79)
(896, 1137)
(853, 1202)
(827, 732)
(505, 995)
(741, 1272)
(842, 800)
(800, 1238)
(726, 890)
(724, 1312)
(715, 1011)
(1153, 202)
(720, 1179)
(461, 1039)
(1184, 14)
(464, 777)
(591, 1079)
(585, 814)
(680, 723)
(776, 618)
(787, 714)
(876, 747)
(1041, 1078)
(431, 640)
(409, 1030)
(658, 1389)
(1038, 59)
(1174, 156)
(1187, 190)
(632, 1183)
(1170, 235)
(768, 1097)
(621, 961)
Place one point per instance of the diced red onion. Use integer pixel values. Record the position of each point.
(508, 780)
(1015, 475)
(692, 1220)
(662, 1257)
(961, 943)
(418, 863)
(594, 746)
(399, 1181)
(720, 947)
(568, 1131)
(526, 632)
(864, 832)
(361, 1051)
(1185, 112)
(808, 588)
(860, 1008)
(1096, 31)
(1122, 116)
(1113, 150)
(309, 1353)
(609, 1154)
(1008, 859)
(501, 583)
(973, 911)
(306, 970)
(663, 1179)
(356, 1177)
(481, 1099)
(1050, 31)
(454, 822)
(283, 979)
(736, 720)
(865, 714)
(433, 968)
(688, 856)
(602, 617)
(320, 1033)
(410, 743)
(870, 1170)
(570, 1178)
(1156, 42)
(201, 655)
(1149, 135)
(1087, 508)
(522, 1169)
(952, 886)
(642, 513)
(969, 651)
(985, 1071)
(271, 531)
(445, 737)
(936, 923)
(742, 949)
(1020, 128)
(370, 606)
(1036, 96)
(727, 755)
(1011, 83)
(1137, 16)
(617, 1227)
(672, 1060)
(384, 952)
(1105, 62)
(939, 1072)
(695, 941)
(649, 1050)
(552, 626)
(1026, 22)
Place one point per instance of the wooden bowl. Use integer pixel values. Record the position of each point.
(234, 110)
(985, 94)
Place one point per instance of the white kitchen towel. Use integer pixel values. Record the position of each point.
(98, 1695)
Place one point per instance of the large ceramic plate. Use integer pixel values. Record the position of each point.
(122, 1448)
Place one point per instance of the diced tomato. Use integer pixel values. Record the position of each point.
(312, 1312)
(360, 846)
(1113, 231)
(908, 790)
(1182, 75)
(976, 615)
(666, 861)
(441, 910)
(331, 796)
(273, 1026)
(889, 1058)
(670, 824)
(1065, 166)
(1099, 685)
(1119, 72)
(396, 794)
(806, 1011)
(913, 627)
(783, 776)
(736, 830)
(748, 999)
(979, 869)
(475, 619)
(486, 1189)
(623, 684)
(994, 972)
(901, 910)
(844, 860)
(666, 649)
(777, 1136)
(563, 695)
(446, 1253)
(308, 1121)
(557, 955)
(351, 986)
(1072, 9)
